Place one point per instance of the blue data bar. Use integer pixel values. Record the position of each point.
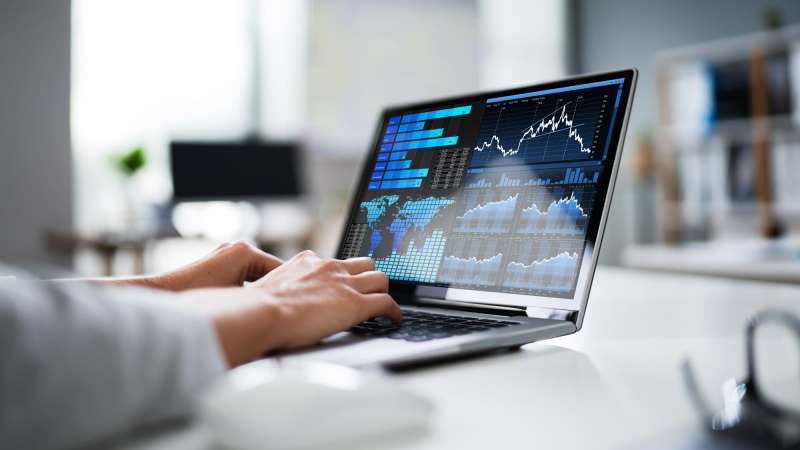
(424, 134)
(405, 164)
(383, 156)
(382, 166)
(426, 143)
(410, 127)
(400, 184)
(437, 114)
(377, 175)
(407, 173)
(553, 91)
(388, 137)
(397, 156)
(392, 129)
(374, 185)
(394, 120)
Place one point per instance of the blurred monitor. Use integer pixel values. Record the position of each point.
(213, 170)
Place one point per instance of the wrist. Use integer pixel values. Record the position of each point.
(152, 282)
(277, 319)
(248, 322)
(167, 282)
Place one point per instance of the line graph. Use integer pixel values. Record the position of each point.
(555, 273)
(470, 270)
(545, 127)
(475, 262)
(485, 214)
(564, 216)
(542, 129)
(547, 266)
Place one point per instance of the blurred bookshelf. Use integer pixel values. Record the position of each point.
(724, 159)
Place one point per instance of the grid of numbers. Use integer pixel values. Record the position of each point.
(353, 240)
(450, 169)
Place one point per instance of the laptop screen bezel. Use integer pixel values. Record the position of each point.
(591, 251)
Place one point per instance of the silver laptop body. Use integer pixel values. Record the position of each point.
(487, 207)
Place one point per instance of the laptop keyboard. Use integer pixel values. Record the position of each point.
(423, 326)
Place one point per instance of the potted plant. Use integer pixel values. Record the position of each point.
(128, 164)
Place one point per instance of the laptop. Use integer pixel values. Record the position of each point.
(487, 213)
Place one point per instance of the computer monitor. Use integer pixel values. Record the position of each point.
(234, 170)
(497, 198)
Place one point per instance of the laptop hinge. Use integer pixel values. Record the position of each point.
(552, 313)
(504, 310)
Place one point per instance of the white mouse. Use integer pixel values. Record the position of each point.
(266, 405)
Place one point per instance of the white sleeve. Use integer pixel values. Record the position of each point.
(80, 363)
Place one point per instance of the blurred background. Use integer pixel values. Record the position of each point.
(102, 101)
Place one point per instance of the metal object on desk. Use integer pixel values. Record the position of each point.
(747, 414)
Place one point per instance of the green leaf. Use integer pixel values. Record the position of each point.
(131, 162)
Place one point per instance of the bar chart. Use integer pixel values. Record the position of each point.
(405, 134)
(415, 262)
(482, 178)
(570, 175)
(404, 240)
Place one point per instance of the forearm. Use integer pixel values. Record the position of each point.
(173, 282)
(105, 361)
(248, 322)
(230, 265)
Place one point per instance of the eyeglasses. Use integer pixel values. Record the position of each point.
(747, 413)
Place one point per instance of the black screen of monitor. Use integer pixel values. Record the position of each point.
(202, 170)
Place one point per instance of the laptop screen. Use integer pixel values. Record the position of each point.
(501, 192)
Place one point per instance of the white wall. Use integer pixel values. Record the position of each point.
(366, 55)
(35, 167)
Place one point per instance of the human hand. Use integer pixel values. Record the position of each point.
(297, 304)
(320, 297)
(229, 265)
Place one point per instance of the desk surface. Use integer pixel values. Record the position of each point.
(759, 260)
(615, 384)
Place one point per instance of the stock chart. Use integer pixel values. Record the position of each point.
(543, 129)
(498, 194)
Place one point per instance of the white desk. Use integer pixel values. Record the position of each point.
(758, 260)
(615, 384)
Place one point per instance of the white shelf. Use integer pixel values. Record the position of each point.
(752, 260)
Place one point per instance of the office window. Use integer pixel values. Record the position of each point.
(145, 72)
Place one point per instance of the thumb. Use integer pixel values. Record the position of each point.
(261, 263)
